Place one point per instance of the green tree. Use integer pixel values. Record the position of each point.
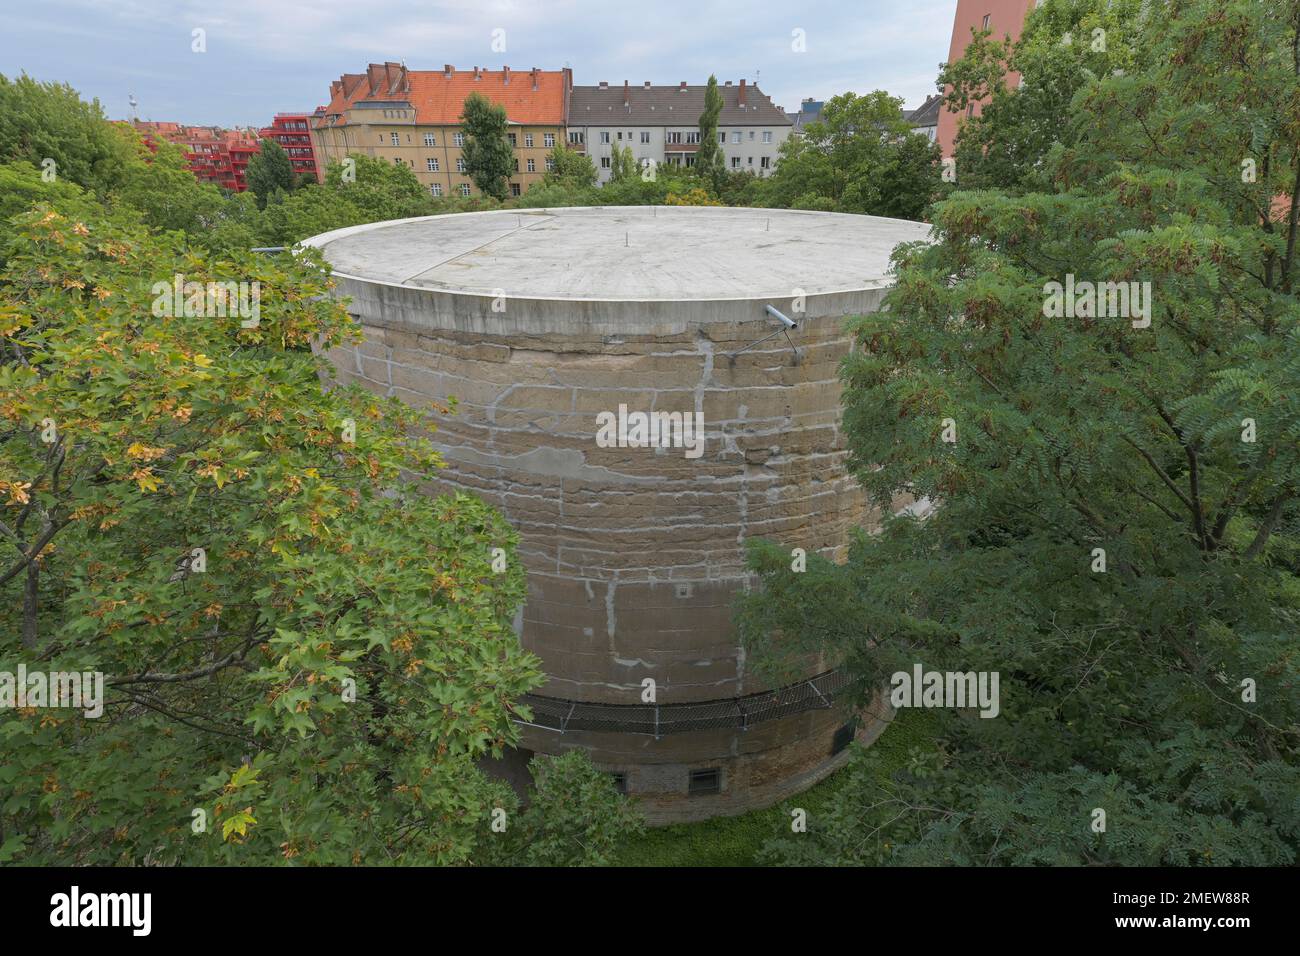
(49, 121)
(268, 170)
(316, 681)
(709, 161)
(574, 817)
(489, 158)
(1064, 45)
(1116, 523)
(861, 157)
(623, 167)
(569, 168)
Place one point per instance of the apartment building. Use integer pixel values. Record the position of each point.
(215, 155)
(662, 123)
(292, 132)
(412, 117)
(1003, 18)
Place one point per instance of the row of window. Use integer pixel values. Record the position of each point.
(577, 137)
(764, 162)
(432, 165)
(435, 189)
(458, 139)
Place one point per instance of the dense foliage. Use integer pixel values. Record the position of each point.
(1116, 529)
(489, 157)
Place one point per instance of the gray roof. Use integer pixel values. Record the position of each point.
(669, 106)
(927, 114)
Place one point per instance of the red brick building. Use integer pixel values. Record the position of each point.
(292, 132)
(218, 156)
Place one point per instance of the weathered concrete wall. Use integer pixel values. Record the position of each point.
(634, 554)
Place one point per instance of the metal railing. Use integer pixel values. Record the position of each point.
(658, 720)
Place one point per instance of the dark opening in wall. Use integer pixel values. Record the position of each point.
(705, 781)
(620, 781)
(844, 736)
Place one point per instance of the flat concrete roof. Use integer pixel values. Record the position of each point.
(624, 253)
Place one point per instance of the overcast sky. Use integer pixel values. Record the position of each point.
(268, 56)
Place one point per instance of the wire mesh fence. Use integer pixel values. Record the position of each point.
(658, 720)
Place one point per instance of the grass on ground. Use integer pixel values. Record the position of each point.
(736, 841)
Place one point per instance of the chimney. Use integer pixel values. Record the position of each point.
(478, 74)
(604, 84)
(741, 95)
(682, 89)
(626, 101)
(728, 83)
(447, 71)
(505, 76)
(534, 71)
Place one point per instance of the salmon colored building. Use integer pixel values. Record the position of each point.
(1003, 18)
(412, 118)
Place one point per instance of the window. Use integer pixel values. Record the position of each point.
(576, 137)
(765, 162)
(604, 162)
(550, 165)
(511, 137)
(645, 136)
(431, 164)
(722, 138)
(532, 165)
(674, 137)
(397, 161)
(750, 160)
(751, 135)
(705, 781)
(970, 109)
(604, 136)
(693, 136)
(459, 139)
(464, 190)
(393, 138)
(516, 165)
(548, 140)
(620, 782)
(986, 20)
(735, 162)
(460, 164)
(528, 139)
(767, 136)
(735, 137)
(514, 189)
(436, 189)
(430, 140)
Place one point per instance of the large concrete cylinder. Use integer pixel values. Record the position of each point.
(547, 326)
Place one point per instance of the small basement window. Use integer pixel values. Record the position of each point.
(705, 781)
(620, 782)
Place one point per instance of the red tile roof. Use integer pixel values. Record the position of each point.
(538, 97)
